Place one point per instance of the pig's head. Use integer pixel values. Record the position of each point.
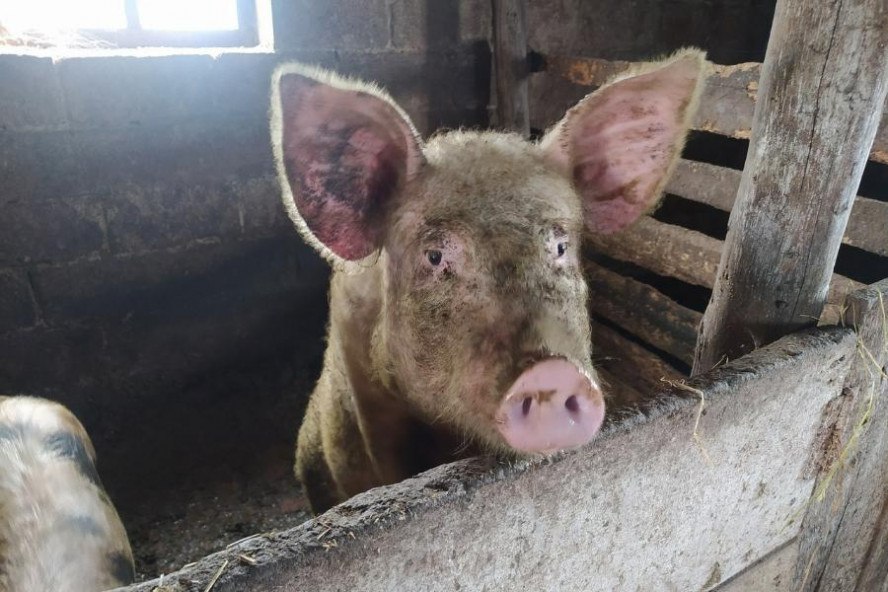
(477, 236)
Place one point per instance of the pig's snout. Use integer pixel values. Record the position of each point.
(552, 406)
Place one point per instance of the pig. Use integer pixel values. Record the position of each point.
(59, 531)
(458, 308)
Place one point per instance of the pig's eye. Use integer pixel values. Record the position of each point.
(561, 248)
(434, 256)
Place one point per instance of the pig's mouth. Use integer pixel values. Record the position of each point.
(553, 405)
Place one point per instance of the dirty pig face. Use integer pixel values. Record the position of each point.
(472, 240)
(483, 279)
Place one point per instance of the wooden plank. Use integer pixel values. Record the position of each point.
(643, 311)
(717, 187)
(726, 107)
(628, 363)
(618, 394)
(875, 570)
(585, 71)
(839, 289)
(705, 183)
(805, 161)
(642, 508)
(868, 226)
(772, 573)
(730, 103)
(880, 148)
(665, 249)
(691, 257)
(510, 65)
(844, 530)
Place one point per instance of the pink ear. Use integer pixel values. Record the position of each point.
(343, 150)
(619, 144)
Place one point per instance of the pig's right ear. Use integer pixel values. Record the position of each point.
(343, 149)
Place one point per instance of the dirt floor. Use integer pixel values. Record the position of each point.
(176, 527)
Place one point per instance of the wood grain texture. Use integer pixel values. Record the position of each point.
(665, 249)
(629, 365)
(726, 107)
(717, 187)
(845, 531)
(822, 88)
(618, 394)
(643, 311)
(705, 183)
(691, 257)
(868, 226)
(510, 65)
(875, 570)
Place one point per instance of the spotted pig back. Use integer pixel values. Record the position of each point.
(59, 531)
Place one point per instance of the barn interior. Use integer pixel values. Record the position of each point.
(151, 281)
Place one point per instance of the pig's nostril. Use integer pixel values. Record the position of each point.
(572, 404)
(525, 405)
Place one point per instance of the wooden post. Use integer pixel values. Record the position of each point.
(821, 92)
(510, 65)
(843, 542)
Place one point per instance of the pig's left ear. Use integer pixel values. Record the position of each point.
(343, 150)
(620, 143)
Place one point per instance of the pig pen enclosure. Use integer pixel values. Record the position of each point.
(156, 288)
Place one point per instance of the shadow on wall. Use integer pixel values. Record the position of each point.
(204, 370)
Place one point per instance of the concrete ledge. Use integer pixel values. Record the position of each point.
(647, 506)
(30, 94)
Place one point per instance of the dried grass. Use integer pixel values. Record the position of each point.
(216, 576)
(696, 433)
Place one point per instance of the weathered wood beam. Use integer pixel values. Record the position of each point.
(629, 365)
(717, 187)
(880, 144)
(868, 226)
(823, 85)
(665, 249)
(875, 570)
(691, 257)
(844, 535)
(705, 183)
(510, 65)
(618, 394)
(726, 107)
(643, 311)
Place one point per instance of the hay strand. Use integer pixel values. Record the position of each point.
(696, 433)
(216, 576)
